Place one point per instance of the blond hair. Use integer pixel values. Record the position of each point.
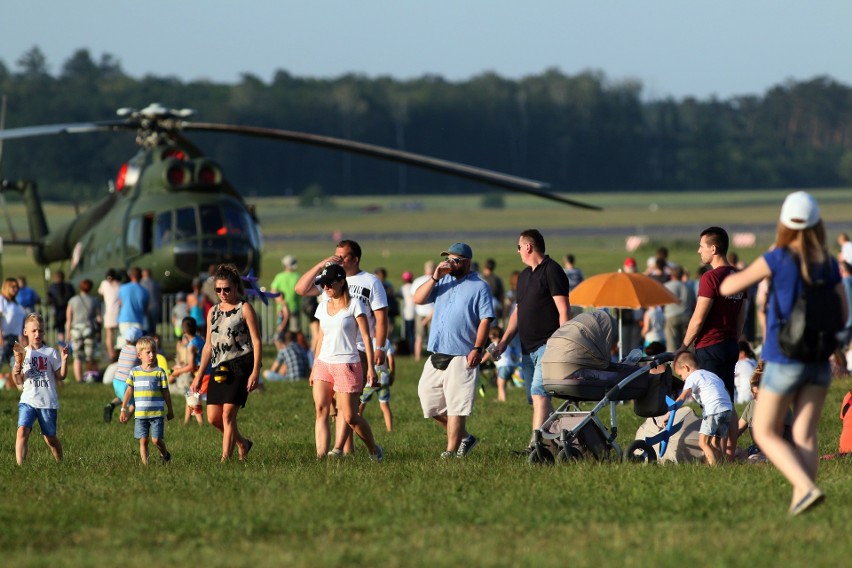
(146, 342)
(7, 287)
(34, 316)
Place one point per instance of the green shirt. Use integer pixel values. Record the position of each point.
(285, 282)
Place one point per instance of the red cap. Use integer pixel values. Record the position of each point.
(630, 261)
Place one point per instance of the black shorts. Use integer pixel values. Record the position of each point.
(234, 389)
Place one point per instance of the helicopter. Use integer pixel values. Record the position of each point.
(173, 210)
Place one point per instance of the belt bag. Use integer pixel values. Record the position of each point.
(441, 361)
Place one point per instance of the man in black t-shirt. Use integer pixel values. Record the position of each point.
(543, 307)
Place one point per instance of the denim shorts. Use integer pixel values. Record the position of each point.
(27, 416)
(715, 424)
(786, 378)
(537, 385)
(505, 373)
(149, 426)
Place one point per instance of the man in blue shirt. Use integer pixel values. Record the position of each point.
(133, 303)
(27, 298)
(458, 334)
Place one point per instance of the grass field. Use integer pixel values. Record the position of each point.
(282, 508)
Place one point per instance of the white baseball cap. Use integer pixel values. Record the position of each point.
(800, 211)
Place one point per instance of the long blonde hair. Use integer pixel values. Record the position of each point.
(807, 245)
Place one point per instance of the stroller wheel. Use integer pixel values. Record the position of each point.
(569, 454)
(540, 455)
(640, 451)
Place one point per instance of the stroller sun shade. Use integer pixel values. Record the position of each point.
(584, 342)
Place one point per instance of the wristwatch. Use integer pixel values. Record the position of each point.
(478, 349)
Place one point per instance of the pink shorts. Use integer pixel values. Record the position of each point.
(346, 377)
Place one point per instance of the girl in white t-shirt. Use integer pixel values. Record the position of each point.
(337, 368)
(37, 368)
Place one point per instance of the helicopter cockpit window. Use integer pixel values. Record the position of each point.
(163, 232)
(211, 220)
(139, 233)
(134, 237)
(185, 223)
(234, 222)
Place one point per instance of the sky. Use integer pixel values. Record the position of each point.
(677, 48)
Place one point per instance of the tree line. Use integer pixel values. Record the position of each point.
(581, 133)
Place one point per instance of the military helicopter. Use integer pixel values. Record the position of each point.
(172, 209)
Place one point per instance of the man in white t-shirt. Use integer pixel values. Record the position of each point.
(363, 286)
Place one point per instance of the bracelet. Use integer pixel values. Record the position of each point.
(478, 350)
(433, 278)
(123, 409)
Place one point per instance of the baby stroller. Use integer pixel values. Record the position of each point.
(576, 367)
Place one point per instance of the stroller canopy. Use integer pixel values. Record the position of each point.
(584, 342)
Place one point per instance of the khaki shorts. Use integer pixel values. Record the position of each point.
(450, 392)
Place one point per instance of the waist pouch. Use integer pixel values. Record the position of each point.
(441, 361)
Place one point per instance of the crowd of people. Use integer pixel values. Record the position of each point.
(340, 328)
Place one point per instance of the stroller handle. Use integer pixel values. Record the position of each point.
(658, 359)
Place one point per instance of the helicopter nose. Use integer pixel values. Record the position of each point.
(192, 259)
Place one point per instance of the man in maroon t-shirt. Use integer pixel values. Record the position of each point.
(717, 322)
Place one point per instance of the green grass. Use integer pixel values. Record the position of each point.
(284, 508)
(100, 506)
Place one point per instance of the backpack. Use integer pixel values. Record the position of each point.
(809, 334)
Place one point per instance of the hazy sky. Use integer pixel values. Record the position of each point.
(676, 47)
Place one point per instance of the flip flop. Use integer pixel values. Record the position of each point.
(248, 445)
(811, 499)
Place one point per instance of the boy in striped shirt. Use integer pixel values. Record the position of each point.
(149, 386)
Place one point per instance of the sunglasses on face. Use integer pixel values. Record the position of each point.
(225, 290)
(456, 260)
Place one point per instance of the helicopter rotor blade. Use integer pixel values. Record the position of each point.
(70, 128)
(506, 181)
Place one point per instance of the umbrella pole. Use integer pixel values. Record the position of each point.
(620, 338)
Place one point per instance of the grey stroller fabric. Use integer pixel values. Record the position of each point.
(584, 342)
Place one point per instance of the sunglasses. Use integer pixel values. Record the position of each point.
(329, 284)
(523, 245)
(456, 260)
(226, 290)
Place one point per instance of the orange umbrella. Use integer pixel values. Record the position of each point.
(621, 290)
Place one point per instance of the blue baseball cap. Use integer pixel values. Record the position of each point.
(459, 249)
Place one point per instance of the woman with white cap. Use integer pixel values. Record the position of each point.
(799, 258)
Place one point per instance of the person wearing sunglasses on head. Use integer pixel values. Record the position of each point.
(234, 347)
(458, 335)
